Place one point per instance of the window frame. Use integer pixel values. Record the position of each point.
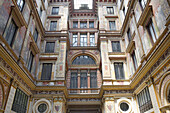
(44, 75)
(110, 10)
(91, 22)
(112, 25)
(83, 40)
(35, 35)
(75, 24)
(134, 60)
(129, 35)
(83, 24)
(8, 37)
(142, 4)
(30, 61)
(48, 45)
(53, 25)
(119, 72)
(75, 40)
(53, 12)
(20, 6)
(117, 46)
(92, 39)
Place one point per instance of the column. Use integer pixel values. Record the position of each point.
(108, 105)
(59, 104)
(88, 80)
(62, 59)
(88, 39)
(78, 39)
(105, 58)
(78, 75)
(153, 95)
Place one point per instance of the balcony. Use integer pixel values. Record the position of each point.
(85, 46)
(84, 91)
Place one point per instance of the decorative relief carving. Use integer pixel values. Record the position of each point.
(5, 65)
(83, 99)
(48, 92)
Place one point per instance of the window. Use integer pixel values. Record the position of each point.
(83, 60)
(55, 10)
(112, 25)
(92, 39)
(93, 79)
(83, 4)
(119, 71)
(20, 102)
(74, 39)
(75, 24)
(83, 80)
(40, 13)
(42, 108)
(53, 25)
(11, 33)
(134, 60)
(30, 62)
(83, 24)
(91, 24)
(35, 35)
(144, 100)
(83, 39)
(73, 80)
(124, 106)
(142, 3)
(124, 10)
(110, 10)
(46, 71)
(49, 47)
(20, 4)
(151, 31)
(129, 35)
(116, 46)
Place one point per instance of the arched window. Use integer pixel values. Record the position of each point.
(83, 60)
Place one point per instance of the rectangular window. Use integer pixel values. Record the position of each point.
(134, 60)
(20, 4)
(73, 80)
(124, 10)
(110, 10)
(74, 39)
(112, 25)
(92, 39)
(30, 62)
(83, 80)
(142, 3)
(75, 24)
(151, 30)
(83, 39)
(20, 102)
(116, 46)
(11, 33)
(46, 71)
(35, 35)
(93, 79)
(119, 70)
(53, 26)
(49, 47)
(144, 100)
(83, 24)
(129, 35)
(55, 10)
(40, 13)
(91, 24)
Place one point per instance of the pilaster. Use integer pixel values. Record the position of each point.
(108, 105)
(59, 105)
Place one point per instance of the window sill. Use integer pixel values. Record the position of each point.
(111, 16)
(18, 17)
(54, 16)
(145, 15)
(130, 47)
(116, 53)
(34, 46)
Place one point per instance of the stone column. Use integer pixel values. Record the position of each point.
(105, 58)
(108, 105)
(62, 59)
(153, 95)
(59, 104)
(88, 39)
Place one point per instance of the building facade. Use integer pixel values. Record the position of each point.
(84, 56)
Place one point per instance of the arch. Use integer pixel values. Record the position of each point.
(163, 88)
(83, 60)
(42, 101)
(87, 53)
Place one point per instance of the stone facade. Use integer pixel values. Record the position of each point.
(113, 58)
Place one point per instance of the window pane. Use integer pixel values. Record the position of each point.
(110, 10)
(119, 71)
(53, 25)
(46, 71)
(92, 40)
(55, 10)
(50, 47)
(20, 102)
(116, 46)
(91, 24)
(75, 24)
(83, 40)
(74, 40)
(30, 62)
(20, 4)
(35, 35)
(83, 24)
(112, 25)
(83, 60)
